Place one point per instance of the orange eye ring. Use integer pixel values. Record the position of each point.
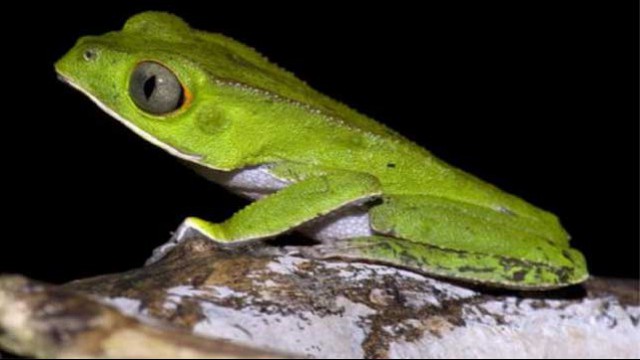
(188, 98)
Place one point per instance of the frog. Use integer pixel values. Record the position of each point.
(307, 163)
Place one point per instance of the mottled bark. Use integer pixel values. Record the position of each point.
(267, 299)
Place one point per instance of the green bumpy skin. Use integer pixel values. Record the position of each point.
(236, 110)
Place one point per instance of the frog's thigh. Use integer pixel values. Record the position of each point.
(291, 207)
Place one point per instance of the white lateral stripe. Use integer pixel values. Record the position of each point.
(148, 137)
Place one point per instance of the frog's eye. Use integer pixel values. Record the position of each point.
(155, 89)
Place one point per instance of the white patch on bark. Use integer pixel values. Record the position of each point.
(131, 307)
(329, 336)
(533, 329)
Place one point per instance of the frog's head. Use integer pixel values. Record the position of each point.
(160, 78)
(137, 81)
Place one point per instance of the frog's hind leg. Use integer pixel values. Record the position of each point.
(430, 260)
(375, 248)
(386, 250)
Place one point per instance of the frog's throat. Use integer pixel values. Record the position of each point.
(145, 135)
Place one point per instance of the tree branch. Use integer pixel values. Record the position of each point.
(264, 298)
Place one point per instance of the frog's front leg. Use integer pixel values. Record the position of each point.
(290, 207)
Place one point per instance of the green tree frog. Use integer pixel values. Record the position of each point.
(310, 163)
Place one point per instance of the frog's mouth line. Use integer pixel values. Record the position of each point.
(145, 135)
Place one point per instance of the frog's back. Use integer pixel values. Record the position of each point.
(240, 65)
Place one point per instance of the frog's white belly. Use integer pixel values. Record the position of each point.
(257, 182)
(346, 223)
(253, 182)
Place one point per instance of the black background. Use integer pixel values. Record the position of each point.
(540, 100)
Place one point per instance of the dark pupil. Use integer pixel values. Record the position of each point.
(149, 86)
(155, 89)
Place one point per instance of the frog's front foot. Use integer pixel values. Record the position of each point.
(181, 234)
(189, 228)
(208, 229)
(220, 233)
